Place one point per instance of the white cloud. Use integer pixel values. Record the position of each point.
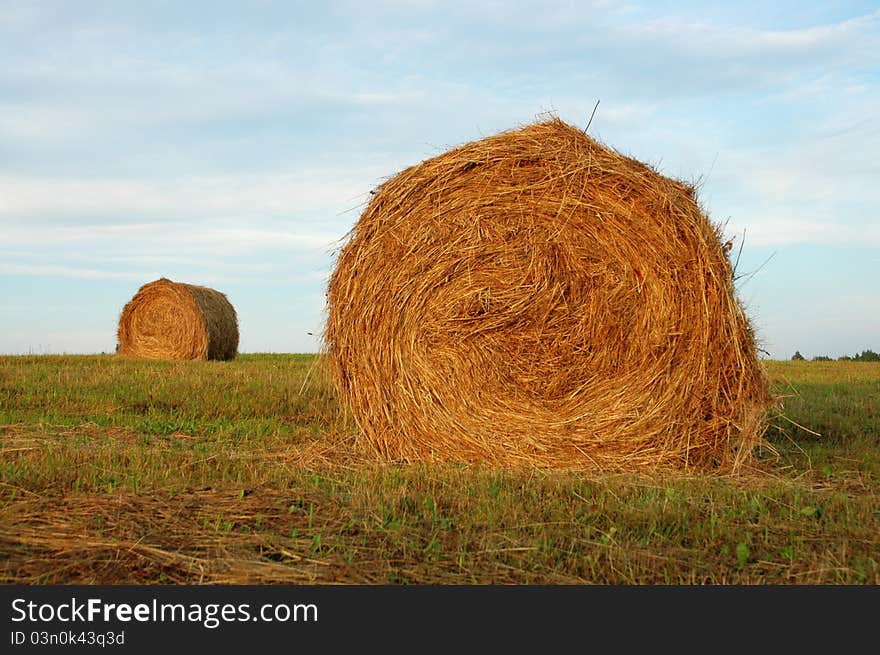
(266, 238)
(717, 40)
(167, 242)
(51, 270)
(327, 191)
(45, 124)
(384, 98)
(763, 231)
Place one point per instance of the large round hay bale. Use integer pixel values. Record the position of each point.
(538, 298)
(173, 320)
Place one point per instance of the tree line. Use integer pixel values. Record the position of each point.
(864, 356)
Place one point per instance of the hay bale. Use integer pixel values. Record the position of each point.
(173, 320)
(537, 298)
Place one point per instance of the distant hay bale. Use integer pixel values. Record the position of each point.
(538, 298)
(173, 320)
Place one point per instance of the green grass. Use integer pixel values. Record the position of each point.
(833, 411)
(120, 471)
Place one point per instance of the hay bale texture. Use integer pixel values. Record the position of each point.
(538, 298)
(173, 320)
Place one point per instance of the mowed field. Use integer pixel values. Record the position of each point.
(116, 471)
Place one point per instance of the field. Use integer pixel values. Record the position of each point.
(117, 471)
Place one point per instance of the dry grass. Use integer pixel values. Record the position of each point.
(173, 320)
(535, 298)
(135, 539)
(117, 470)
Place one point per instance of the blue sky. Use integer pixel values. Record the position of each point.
(233, 144)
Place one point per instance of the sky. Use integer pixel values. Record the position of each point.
(234, 144)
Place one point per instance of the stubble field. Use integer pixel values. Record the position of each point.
(117, 471)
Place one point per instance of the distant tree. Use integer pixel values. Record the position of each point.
(797, 357)
(821, 358)
(867, 356)
(844, 358)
